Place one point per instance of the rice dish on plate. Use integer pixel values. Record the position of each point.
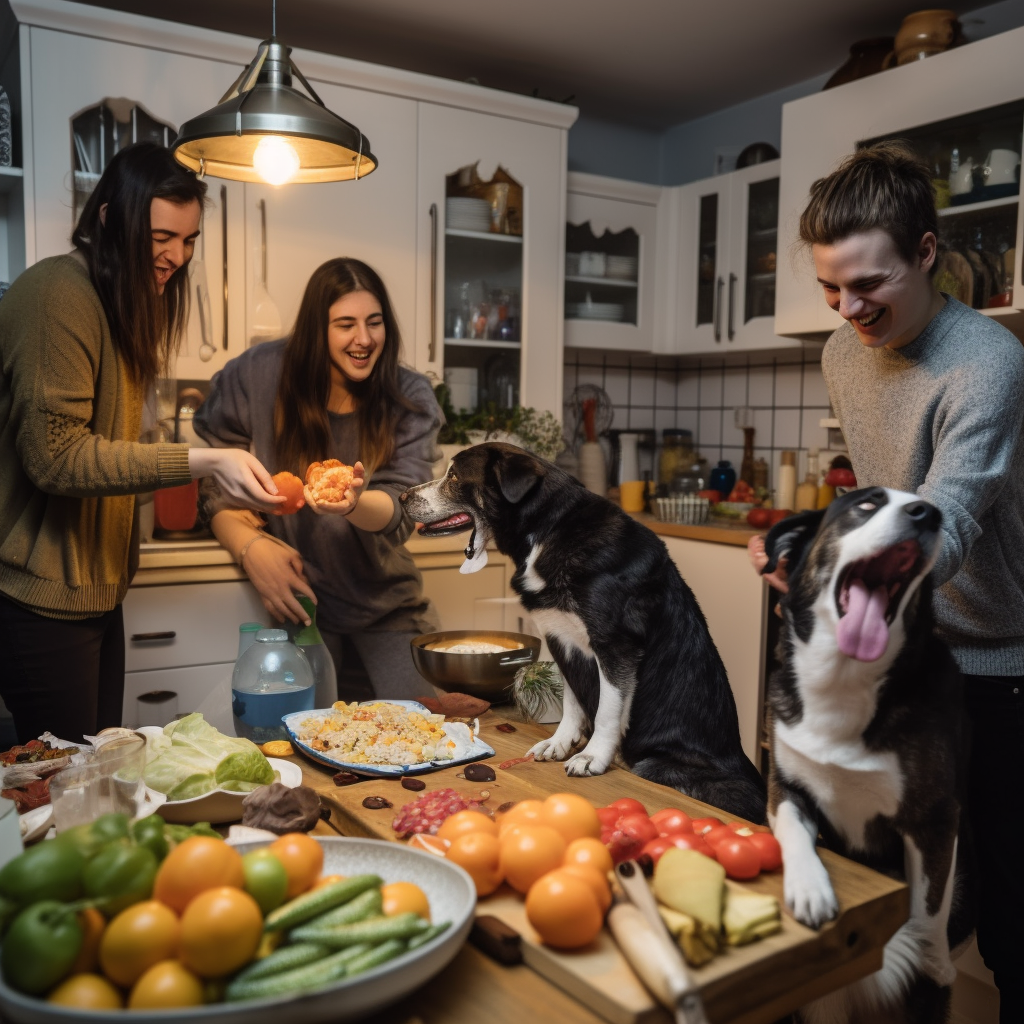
(380, 733)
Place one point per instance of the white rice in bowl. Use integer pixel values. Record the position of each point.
(473, 647)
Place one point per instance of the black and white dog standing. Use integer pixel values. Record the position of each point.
(867, 740)
(644, 676)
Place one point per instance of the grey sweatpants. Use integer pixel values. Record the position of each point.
(375, 665)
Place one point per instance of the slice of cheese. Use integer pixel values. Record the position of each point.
(693, 884)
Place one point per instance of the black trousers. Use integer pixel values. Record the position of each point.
(65, 676)
(996, 806)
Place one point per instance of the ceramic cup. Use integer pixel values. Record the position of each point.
(961, 181)
(631, 495)
(1001, 167)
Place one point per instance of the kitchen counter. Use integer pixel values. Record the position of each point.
(714, 532)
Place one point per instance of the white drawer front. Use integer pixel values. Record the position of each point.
(204, 688)
(187, 624)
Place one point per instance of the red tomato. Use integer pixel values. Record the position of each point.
(702, 825)
(638, 825)
(608, 816)
(739, 857)
(759, 518)
(691, 842)
(656, 847)
(627, 805)
(717, 835)
(768, 850)
(623, 847)
(778, 514)
(672, 821)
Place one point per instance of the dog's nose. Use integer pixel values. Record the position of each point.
(924, 514)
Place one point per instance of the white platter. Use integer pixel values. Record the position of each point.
(468, 746)
(452, 897)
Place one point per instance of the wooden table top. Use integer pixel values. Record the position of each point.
(756, 988)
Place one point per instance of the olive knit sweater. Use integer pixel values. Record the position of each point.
(70, 460)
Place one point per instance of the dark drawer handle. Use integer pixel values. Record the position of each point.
(142, 637)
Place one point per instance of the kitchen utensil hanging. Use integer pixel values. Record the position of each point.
(202, 286)
(266, 318)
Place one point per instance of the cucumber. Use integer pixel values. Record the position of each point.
(378, 955)
(312, 904)
(366, 904)
(373, 930)
(286, 958)
(431, 933)
(300, 979)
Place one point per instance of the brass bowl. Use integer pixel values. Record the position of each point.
(488, 676)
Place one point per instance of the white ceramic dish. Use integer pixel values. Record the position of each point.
(35, 823)
(452, 898)
(218, 806)
(468, 746)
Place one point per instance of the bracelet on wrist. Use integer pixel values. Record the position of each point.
(248, 544)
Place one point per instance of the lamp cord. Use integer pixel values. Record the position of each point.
(273, 19)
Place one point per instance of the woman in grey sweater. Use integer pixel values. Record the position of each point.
(334, 390)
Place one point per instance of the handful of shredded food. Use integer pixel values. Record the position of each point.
(379, 733)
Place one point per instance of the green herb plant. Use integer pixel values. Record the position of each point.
(535, 686)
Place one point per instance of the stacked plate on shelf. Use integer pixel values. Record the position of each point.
(465, 214)
(622, 268)
(594, 310)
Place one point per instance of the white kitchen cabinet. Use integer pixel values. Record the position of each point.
(455, 595)
(202, 688)
(968, 88)
(734, 601)
(613, 225)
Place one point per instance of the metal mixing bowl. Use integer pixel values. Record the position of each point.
(487, 676)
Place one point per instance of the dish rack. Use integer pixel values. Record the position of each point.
(686, 509)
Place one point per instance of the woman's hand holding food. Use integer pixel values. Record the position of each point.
(241, 477)
(759, 559)
(276, 571)
(330, 490)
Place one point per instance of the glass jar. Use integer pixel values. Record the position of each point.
(677, 455)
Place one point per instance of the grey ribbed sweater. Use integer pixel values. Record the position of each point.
(941, 417)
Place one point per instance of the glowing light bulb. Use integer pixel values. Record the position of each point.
(275, 160)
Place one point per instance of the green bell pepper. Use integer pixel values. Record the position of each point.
(119, 876)
(50, 870)
(90, 839)
(150, 832)
(41, 946)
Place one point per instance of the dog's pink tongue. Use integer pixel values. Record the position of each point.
(863, 632)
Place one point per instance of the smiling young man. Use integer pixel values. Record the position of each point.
(930, 396)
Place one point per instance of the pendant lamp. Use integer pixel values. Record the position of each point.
(265, 130)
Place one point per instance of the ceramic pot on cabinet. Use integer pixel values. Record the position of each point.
(925, 33)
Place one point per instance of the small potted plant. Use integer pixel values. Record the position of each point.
(537, 692)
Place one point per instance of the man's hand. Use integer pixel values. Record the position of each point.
(759, 559)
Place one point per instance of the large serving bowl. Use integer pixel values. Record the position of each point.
(488, 676)
(452, 897)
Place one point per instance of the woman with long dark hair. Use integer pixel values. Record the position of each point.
(82, 338)
(335, 389)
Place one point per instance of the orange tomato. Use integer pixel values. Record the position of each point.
(573, 816)
(93, 923)
(480, 855)
(525, 812)
(220, 931)
(137, 938)
(166, 985)
(463, 822)
(564, 910)
(596, 881)
(429, 844)
(86, 992)
(198, 864)
(529, 851)
(589, 852)
(403, 897)
(290, 486)
(303, 859)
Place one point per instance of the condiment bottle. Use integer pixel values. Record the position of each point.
(785, 492)
(308, 638)
(826, 492)
(807, 492)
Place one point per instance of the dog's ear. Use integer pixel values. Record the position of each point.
(789, 538)
(517, 475)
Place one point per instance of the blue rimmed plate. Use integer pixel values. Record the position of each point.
(468, 746)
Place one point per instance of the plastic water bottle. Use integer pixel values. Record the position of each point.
(272, 678)
(325, 676)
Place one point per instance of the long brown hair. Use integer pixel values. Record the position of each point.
(302, 430)
(118, 248)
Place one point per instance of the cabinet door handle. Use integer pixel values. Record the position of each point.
(432, 354)
(139, 638)
(732, 285)
(224, 252)
(718, 310)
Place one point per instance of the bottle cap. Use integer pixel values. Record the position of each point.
(272, 636)
(789, 458)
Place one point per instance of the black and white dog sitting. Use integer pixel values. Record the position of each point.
(867, 740)
(644, 677)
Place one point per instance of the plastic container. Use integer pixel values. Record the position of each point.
(272, 678)
(325, 675)
(723, 479)
(247, 634)
(785, 492)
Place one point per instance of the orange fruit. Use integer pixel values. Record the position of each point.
(462, 822)
(526, 812)
(140, 936)
(86, 992)
(93, 923)
(564, 910)
(529, 851)
(596, 881)
(480, 855)
(403, 897)
(290, 486)
(166, 985)
(198, 864)
(220, 931)
(303, 859)
(590, 852)
(429, 844)
(573, 816)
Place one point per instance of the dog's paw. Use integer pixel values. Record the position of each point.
(582, 764)
(551, 749)
(810, 896)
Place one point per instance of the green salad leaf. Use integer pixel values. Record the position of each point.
(192, 758)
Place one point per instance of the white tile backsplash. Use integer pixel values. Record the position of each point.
(641, 388)
(812, 434)
(665, 389)
(787, 385)
(735, 390)
(762, 382)
(688, 391)
(787, 428)
(710, 430)
(815, 392)
(616, 383)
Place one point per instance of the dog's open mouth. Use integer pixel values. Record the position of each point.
(867, 598)
(445, 527)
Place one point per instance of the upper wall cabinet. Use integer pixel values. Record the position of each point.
(610, 263)
(962, 113)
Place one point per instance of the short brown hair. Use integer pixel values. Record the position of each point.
(881, 186)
